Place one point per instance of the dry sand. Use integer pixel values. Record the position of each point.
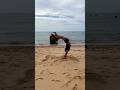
(102, 64)
(17, 68)
(52, 72)
(55, 73)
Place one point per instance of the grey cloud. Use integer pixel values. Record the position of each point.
(56, 16)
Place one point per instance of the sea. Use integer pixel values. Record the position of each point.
(76, 37)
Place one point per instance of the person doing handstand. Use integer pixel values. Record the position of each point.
(66, 40)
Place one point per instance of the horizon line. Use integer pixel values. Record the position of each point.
(61, 31)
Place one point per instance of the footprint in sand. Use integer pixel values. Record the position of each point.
(46, 58)
(49, 57)
(73, 58)
(75, 69)
(75, 87)
(60, 58)
(39, 78)
(52, 73)
(76, 78)
(55, 80)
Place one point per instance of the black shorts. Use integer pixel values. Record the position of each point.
(66, 40)
(67, 48)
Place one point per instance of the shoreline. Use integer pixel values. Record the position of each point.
(60, 45)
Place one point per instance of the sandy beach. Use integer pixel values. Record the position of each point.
(102, 64)
(52, 72)
(17, 68)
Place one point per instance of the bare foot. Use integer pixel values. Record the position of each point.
(64, 57)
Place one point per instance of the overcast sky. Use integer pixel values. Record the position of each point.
(59, 15)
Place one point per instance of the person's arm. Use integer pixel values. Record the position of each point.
(58, 36)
